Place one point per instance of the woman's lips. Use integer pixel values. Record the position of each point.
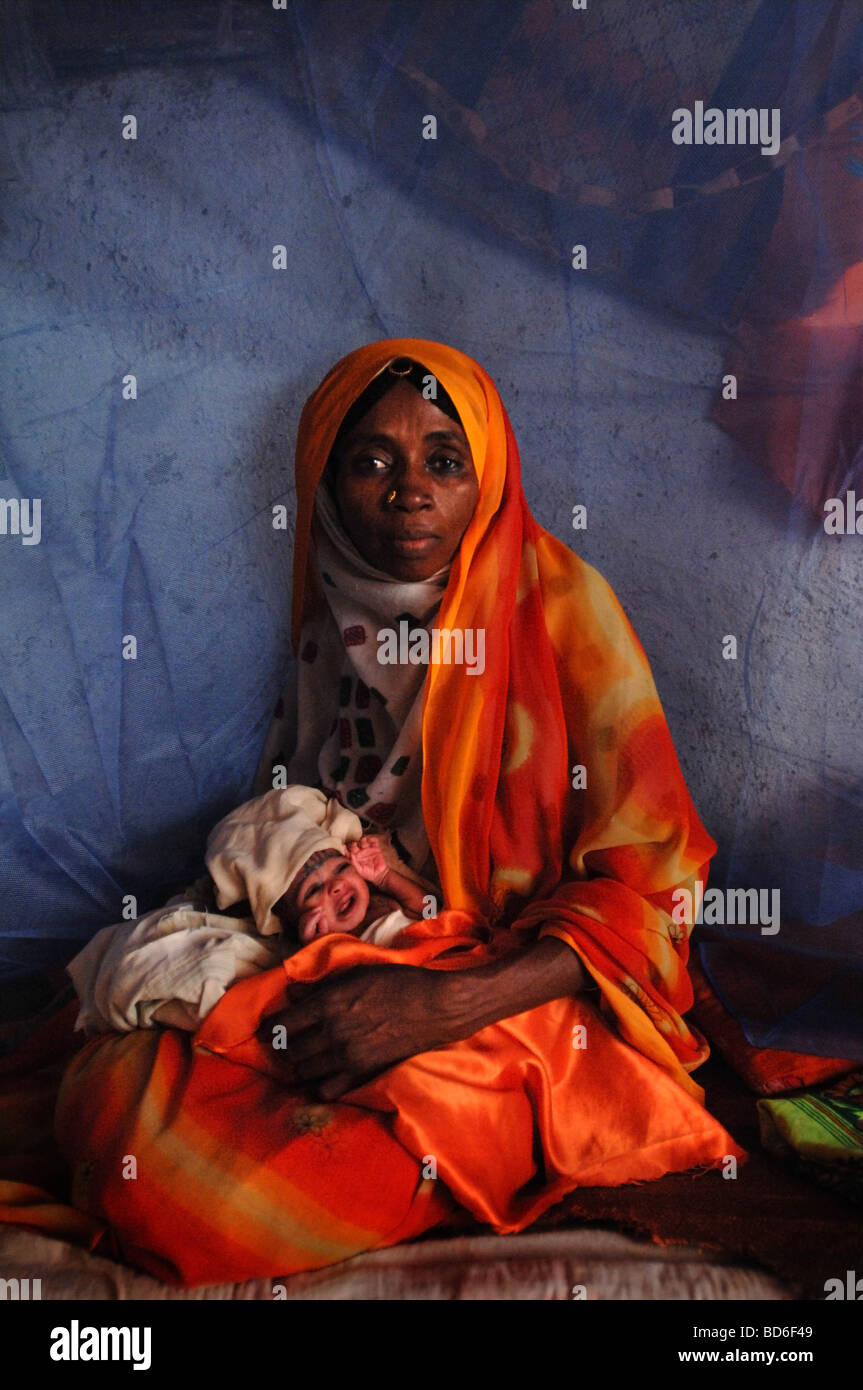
(346, 906)
(413, 545)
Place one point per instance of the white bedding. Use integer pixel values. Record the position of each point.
(538, 1266)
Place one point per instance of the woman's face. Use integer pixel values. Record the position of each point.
(406, 445)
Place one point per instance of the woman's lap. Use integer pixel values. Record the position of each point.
(208, 1170)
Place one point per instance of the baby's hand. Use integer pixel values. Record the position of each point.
(368, 860)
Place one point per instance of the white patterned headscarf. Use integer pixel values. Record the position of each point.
(357, 723)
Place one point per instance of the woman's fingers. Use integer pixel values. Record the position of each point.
(303, 1041)
(312, 1043)
(341, 1031)
(306, 1057)
(323, 1066)
(336, 1087)
(296, 1018)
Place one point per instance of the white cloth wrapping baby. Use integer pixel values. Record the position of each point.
(170, 966)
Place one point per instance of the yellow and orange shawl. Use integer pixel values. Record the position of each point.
(566, 684)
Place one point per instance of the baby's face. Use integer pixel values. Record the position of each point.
(333, 897)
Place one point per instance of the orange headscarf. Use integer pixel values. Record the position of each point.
(519, 840)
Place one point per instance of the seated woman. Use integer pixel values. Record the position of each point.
(530, 1039)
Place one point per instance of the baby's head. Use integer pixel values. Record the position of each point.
(327, 895)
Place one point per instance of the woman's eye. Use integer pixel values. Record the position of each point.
(448, 463)
(366, 463)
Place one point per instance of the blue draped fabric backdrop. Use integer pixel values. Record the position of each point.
(259, 127)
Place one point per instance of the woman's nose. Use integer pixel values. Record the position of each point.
(405, 501)
(412, 489)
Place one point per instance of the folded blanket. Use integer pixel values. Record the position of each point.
(821, 1133)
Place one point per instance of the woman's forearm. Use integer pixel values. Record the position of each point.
(545, 970)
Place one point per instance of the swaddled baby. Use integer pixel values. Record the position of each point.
(301, 859)
(290, 858)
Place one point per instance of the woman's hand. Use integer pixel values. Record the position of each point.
(345, 1029)
(342, 1031)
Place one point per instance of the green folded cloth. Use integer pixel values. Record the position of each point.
(821, 1133)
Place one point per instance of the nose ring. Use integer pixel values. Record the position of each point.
(392, 496)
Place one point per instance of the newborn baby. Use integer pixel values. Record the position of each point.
(347, 892)
(300, 859)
